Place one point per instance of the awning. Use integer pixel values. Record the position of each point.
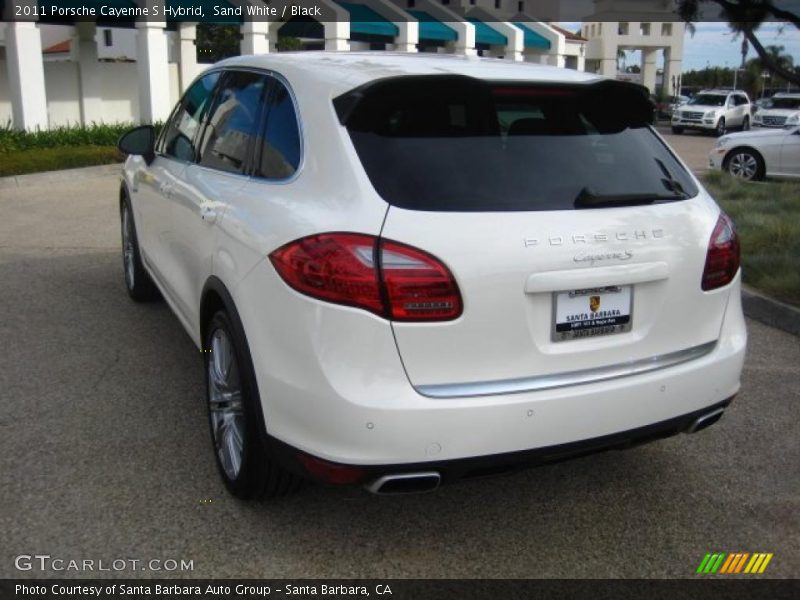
(366, 21)
(487, 35)
(531, 38)
(431, 29)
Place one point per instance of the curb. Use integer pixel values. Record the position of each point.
(770, 311)
(46, 177)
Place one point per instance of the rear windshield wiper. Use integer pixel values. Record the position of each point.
(588, 199)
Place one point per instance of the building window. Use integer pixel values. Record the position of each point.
(666, 29)
(599, 29)
(592, 30)
(108, 38)
(623, 29)
(410, 3)
(644, 28)
(497, 3)
(520, 7)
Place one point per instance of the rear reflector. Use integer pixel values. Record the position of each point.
(404, 284)
(722, 260)
(331, 472)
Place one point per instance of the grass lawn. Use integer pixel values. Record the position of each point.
(34, 160)
(767, 217)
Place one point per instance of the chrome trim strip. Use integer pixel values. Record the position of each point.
(559, 380)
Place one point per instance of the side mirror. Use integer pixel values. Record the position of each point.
(140, 141)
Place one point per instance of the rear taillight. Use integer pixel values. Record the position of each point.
(722, 260)
(404, 284)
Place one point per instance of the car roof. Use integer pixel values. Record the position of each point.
(343, 71)
(722, 92)
(787, 95)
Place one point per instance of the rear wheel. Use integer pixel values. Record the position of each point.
(235, 417)
(746, 124)
(138, 283)
(745, 164)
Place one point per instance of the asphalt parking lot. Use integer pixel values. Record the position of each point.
(106, 454)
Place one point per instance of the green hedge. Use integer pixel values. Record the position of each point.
(95, 134)
(52, 159)
(767, 217)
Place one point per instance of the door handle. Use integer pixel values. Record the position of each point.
(208, 214)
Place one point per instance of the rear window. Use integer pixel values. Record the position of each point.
(451, 143)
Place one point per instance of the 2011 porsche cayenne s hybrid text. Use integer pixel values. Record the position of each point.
(405, 270)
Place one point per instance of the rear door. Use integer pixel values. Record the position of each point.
(536, 198)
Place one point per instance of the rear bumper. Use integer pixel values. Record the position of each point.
(342, 394)
(450, 471)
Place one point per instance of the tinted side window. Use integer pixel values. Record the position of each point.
(233, 123)
(181, 131)
(280, 152)
(740, 100)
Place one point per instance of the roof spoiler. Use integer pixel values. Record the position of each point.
(635, 98)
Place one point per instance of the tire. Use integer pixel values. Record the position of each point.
(746, 124)
(719, 130)
(137, 281)
(235, 419)
(744, 163)
(677, 130)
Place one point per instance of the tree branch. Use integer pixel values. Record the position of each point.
(767, 59)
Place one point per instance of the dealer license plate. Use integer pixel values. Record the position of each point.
(591, 312)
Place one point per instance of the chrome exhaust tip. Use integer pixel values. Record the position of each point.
(705, 420)
(405, 483)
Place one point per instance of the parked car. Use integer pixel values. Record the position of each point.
(405, 270)
(676, 103)
(759, 153)
(781, 110)
(714, 111)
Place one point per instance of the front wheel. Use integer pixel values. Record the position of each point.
(745, 164)
(720, 129)
(235, 417)
(677, 130)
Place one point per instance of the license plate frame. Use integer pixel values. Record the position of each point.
(611, 298)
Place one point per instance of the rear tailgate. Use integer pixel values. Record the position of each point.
(509, 266)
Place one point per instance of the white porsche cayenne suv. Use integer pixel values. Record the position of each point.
(404, 270)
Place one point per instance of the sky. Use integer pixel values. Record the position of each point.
(713, 44)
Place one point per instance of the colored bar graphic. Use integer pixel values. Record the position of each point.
(764, 564)
(741, 562)
(722, 563)
(726, 566)
(719, 562)
(703, 563)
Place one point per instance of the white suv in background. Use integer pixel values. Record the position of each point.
(404, 270)
(714, 111)
(782, 110)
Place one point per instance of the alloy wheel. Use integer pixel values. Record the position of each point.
(743, 165)
(225, 403)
